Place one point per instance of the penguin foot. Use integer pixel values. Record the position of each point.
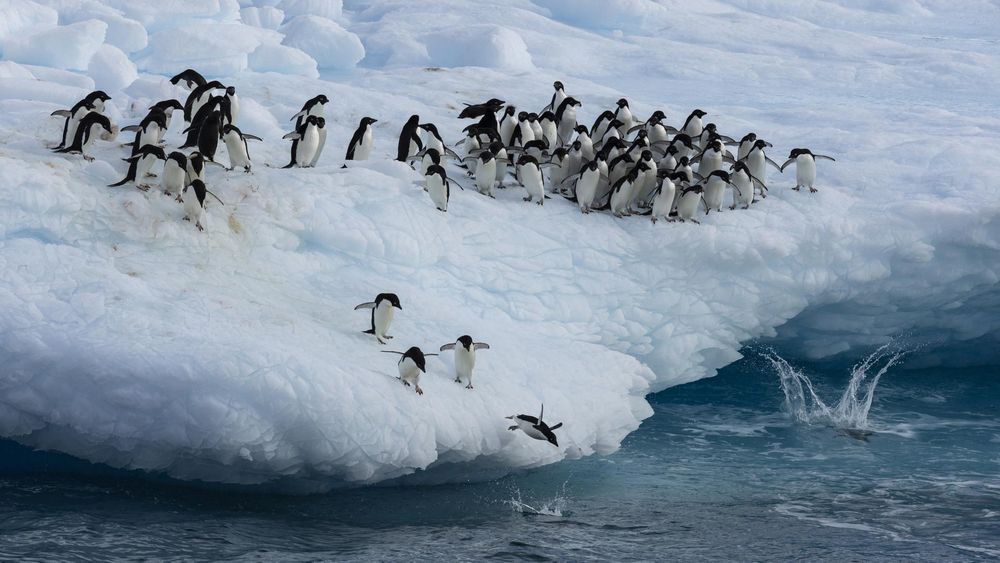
(469, 386)
(419, 390)
(512, 427)
(653, 219)
(143, 187)
(179, 199)
(813, 190)
(186, 218)
(200, 228)
(796, 188)
(746, 207)
(458, 380)
(150, 175)
(88, 158)
(526, 198)
(540, 202)
(695, 221)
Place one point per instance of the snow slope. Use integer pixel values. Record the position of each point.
(235, 356)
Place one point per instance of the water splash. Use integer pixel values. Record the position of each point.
(851, 411)
(552, 507)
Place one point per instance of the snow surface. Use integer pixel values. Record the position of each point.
(235, 355)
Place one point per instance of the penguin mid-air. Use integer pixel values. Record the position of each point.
(305, 140)
(411, 365)
(194, 203)
(535, 427)
(190, 77)
(140, 165)
(409, 139)
(93, 101)
(437, 186)
(92, 125)
(805, 167)
(363, 140)
(465, 357)
(236, 146)
(382, 312)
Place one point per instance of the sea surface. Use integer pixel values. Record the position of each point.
(769, 460)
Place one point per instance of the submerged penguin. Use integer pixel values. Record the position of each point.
(411, 365)
(465, 357)
(805, 167)
(535, 427)
(382, 313)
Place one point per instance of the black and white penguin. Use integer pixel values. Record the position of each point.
(437, 186)
(486, 111)
(805, 167)
(313, 106)
(529, 174)
(214, 104)
(508, 122)
(566, 118)
(757, 160)
(465, 357)
(149, 131)
(91, 126)
(234, 106)
(559, 159)
(209, 135)
(550, 132)
(665, 193)
(687, 204)
(712, 158)
(486, 172)
(427, 158)
(194, 203)
(195, 168)
(523, 133)
(168, 107)
(360, 146)
(409, 139)
(692, 125)
(715, 185)
(411, 365)
(745, 184)
(174, 177)
(535, 427)
(624, 114)
(93, 101)
(190, 77)
(557, 97)
(320, 141)
(586, 185)
(709, 133)
(140, 165)
(382, 313)
(601, 126)
(236, 146)
(199, 97)
(305, 139)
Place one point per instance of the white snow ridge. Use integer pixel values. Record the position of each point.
(235, 356)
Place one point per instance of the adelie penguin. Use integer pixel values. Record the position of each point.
(209, 135)
(805, 167)
(149, 130)
(692, 125)
(438, 187)
(313, 106)
(194, 203)
(535, 427)
(410, 366)
(409, 139)
(465, 357)
(558, 95)
(174, 176)
(93, 101)
(529, 173)
(140, 165)
(744, 185)
(199, 97)
(305, 141)
(382, 313)
(92, 125)
(236, 145)
(363, 140)
(168, 107)
(566, 118)
(190, 77)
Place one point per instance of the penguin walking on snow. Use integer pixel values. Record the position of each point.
(93, 101)
(140, 165)
(465, 357)
(363, 140)
(437, 186)
(409, 139)
(194, 203)
(92, 125)
(174, 176)
(382, 313)
(411, 365)
(535, 427)
(805, 167)
(305, 141)
(236, 145)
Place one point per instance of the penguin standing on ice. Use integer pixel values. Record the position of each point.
(313, 106)
(209, 135)
(411, 365)
(360, 147)
(805, 167)
(174, 177)
(140, 164)
(529, 173)
(305, 140)
(149, 130)
(195, 168)
(557, 97)
(692, 125)
(687, 204)
(167, 107)
(194, 203)
(89, 128)
(382, 312)
(409, 139)
(93, 101)
(236, 145)
(535, 427)
(566, 118)
(437, 187)
(199, 97)
(465, 357)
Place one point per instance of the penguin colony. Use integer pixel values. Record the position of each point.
(621, 164)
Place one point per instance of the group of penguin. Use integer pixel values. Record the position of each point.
(620, 163)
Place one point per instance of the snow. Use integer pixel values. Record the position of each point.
(235, 355)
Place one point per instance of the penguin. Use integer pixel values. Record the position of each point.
(432, 140)
(149, 131)
(195, 168)
(485, 172)
(360, 146)
(612, 132)
(209, 135)
(486, 111)
(709, 133)
(601, 125)
(529, 173)
(465, 357)
(139, 166)
(624, 190)
(744, 184)
(586, 185)
(236, 146)
(214, 104)
(536, 127)
(93, 101)
(437, 186)
(382, 312)
(566, 118)
(550, 133)
(174, 176)
(411, 365)
(501, 159)
(304, 142)
(682, 144)
(427, 159)
(646, 181)
(536, 149)
(313, 106)
(409, 140)
(560, 168)
(669, 160)
(507, 124)
(684, 165)
(191, 78)
(745, 144)
(535, 427)
(687, 204)
(715, 189)
(557, 97)
(757, 161)
(90, 127)
(194, 202)
(234, 106)
(692, 125)
(320, 140)
(586, 142)
(664, 194)
(624, 115)
(167, 107)
(712, 157)
(523, 133)
(199, 97)
(805, 167)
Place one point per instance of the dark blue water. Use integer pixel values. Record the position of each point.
(723, 470)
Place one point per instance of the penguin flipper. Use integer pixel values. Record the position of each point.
(557, 426)
(61, 113)
(772, 163)
(450, 346)
(131, 128)
(824, 157)
(369, 331)
(294, 135)
(252, 137)
(123, 181)
(482, 346)
(787, 162)
(369, 305)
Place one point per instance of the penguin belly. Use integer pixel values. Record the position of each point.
(687, 207)
(438, 192)
(805, 171)
(664, 200)
(306, 148)
(383, 318)
(465, 362)
(173, 178)
(364, 148)
(586, 189)
(486, 177)
(715, 191)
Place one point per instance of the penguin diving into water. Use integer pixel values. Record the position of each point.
(535, 427)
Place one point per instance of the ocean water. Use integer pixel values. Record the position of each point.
(768, 460)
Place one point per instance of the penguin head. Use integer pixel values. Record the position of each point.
(178, 157)
(557, 85)
(229, 128)
(365, 121)
(657, 116)
(683, 161)
(710, 128)
(720, 174)
(312, 120)
(510, 110)
(522, 116)
(622, 103)
(577, 146)
(392, 299)
(199, 190)
(684, 140)
(672, 150)
(560, 153)
(592, 165)
(486, 156)
(495, 147)
(495, 104)
(97, 95)
(320, 99)
(413, 121)
(647, 155)
(466, 341)
(320, 122)
(698, 113)
(231, 91)
(532, 117)
(527, 160)
(748, 138)
(641, 135)
(717, 145)
(417, 355)
(761, 143)
(678, 177)
(582, 129)
(547, 115)
(434, 155)
(168, 105)
(434, 170)
(797, 152)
